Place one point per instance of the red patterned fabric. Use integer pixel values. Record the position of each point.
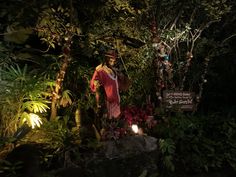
(103, 75)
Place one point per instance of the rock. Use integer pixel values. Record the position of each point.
(129, 156)
(128, 146)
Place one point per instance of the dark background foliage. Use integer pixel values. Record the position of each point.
(39, 40)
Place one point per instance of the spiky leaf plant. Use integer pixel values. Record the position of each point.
(22, 95)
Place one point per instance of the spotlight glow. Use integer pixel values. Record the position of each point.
(34, 120)
(135, 128)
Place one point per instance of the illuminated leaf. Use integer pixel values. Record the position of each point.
(35, 106)
(66, 98)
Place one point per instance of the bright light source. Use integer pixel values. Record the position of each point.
(35, 120)
(135, 128)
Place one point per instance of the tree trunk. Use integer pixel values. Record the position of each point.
(59, 80)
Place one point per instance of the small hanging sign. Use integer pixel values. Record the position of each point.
(182, 100)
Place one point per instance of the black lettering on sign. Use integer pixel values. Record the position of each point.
(183, 100)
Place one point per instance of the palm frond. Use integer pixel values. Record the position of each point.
(35, 106)
(66, 98)
(16, 73)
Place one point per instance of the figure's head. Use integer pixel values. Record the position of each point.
(110, 58)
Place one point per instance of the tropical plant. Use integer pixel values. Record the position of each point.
(56, 28)
(59, 142)
(22, 96)
(167, 149)
(10, 169)
(199, 143)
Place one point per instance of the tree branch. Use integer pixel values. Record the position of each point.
(177, 17)
(233, 35)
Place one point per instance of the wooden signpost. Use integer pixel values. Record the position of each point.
(182, 100)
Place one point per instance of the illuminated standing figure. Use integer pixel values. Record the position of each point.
(105, 77)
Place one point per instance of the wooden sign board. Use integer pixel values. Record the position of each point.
(182, 100)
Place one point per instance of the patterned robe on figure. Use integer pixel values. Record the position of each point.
(105, 77)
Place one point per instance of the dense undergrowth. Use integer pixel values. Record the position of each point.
(188, 144)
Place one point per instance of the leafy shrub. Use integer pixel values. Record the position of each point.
(201, 142)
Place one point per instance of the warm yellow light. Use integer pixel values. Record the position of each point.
(35, 120)
(135, 128)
